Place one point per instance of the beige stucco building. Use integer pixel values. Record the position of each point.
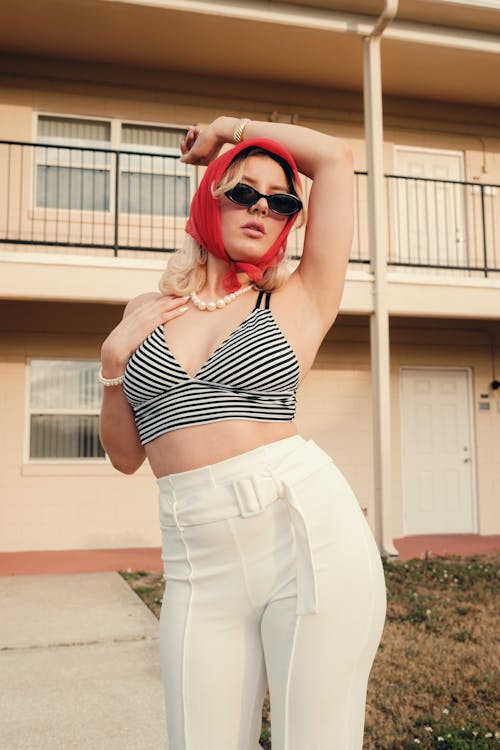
(92, 197)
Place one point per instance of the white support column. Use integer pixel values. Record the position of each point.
(379, 320)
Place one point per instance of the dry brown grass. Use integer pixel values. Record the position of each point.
(435, 678)
(435, 681)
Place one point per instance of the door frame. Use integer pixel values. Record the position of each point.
(472, 427)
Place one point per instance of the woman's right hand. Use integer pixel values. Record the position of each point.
(141, 316)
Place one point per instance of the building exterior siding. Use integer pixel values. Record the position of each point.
(60, 301)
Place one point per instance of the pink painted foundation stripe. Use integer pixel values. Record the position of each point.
(149, 558)
(80, 561)
(446, 544)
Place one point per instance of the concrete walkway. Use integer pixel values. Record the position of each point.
(79, 665)
(79, 658)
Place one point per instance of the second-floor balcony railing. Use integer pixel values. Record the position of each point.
(108, 202)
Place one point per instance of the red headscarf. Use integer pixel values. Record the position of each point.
(204, 223)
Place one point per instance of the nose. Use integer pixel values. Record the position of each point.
(260, 207)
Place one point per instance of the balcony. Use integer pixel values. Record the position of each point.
(103, 202)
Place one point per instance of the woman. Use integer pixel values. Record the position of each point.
(273, 576)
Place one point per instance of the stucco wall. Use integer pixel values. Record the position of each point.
(159, 100)
(75, 506)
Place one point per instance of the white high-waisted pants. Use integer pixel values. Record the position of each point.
(272, 577)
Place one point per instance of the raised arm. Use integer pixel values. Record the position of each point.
(327, 161)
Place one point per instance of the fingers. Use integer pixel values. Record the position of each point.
(173, 302)
(175, 313)
(191, 136)
(197, 147)
(154, 312)
(189, 158)
(165, 302)
(161, 306)
(176, 306)
(139, 323)
(189, 139)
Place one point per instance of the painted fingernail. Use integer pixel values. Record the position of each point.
(183, 309)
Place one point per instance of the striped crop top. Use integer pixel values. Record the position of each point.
(252, 375)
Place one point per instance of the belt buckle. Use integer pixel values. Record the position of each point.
(248, 497)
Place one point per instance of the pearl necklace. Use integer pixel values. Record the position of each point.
(219, 303)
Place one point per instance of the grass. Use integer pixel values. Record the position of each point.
(435, 682)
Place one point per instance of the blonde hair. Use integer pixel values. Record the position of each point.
(186, 271)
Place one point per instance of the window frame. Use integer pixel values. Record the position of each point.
(109, 165)
(28, 411)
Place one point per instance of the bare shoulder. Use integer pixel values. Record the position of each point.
(140, 300)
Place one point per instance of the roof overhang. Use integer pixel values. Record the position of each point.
(446, 51)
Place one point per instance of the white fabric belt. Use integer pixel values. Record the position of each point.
(249, 496)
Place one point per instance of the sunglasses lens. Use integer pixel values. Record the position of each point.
(281, 203)
(243, 194)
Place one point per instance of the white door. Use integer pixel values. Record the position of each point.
(437, 455)
(430, 213)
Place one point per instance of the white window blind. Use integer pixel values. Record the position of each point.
(156, 138)
(81, 132)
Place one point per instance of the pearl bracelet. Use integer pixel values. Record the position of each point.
(238, 130)
(109, 381)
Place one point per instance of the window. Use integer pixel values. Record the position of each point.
(153, 181)
(73, 171)
(65, 398)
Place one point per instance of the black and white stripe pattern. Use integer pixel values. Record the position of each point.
(252, 375)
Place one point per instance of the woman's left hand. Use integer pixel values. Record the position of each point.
(201, 146)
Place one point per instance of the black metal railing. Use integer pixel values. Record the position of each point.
(64, 196)
(108, 201)
(443, 224)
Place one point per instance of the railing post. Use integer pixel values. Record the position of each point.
(379, 318)
(485, 244)
(117, 199)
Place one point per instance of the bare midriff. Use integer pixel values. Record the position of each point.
(201, 445)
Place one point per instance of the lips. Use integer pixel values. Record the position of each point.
(254, 229)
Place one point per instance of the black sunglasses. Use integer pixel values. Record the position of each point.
(281, 203)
